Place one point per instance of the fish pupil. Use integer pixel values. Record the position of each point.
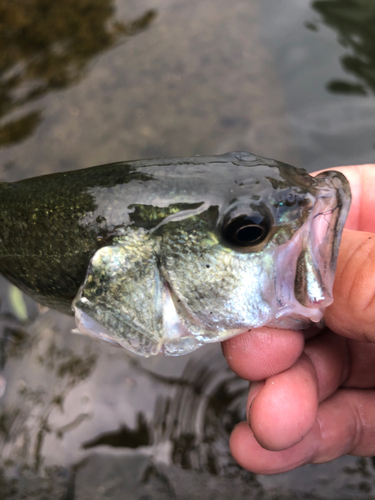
(246, 230)
(248, 235)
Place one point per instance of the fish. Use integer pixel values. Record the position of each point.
(165, 255)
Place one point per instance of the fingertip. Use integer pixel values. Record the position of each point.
(250, 455)
(247, 452)
(263, 352)
(284, 410)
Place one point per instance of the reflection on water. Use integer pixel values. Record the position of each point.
(196, 420)
(46, 46)
(354, 21)
(188, 427)
(25, 420)
(124, 437)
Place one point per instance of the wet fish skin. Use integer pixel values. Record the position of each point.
(139, 249)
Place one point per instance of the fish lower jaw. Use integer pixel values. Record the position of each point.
(298, 317)
(171, 339)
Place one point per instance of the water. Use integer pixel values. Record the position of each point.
(90, 82)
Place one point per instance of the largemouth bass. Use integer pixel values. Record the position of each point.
(166, 255)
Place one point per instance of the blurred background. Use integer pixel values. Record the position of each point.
(87, 82)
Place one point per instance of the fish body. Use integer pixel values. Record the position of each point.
(166, 255)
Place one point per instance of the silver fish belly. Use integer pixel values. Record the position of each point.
(205, 248)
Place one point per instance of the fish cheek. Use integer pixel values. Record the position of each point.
(191, 271)
(224, 291)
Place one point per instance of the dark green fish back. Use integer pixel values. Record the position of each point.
(43, 248)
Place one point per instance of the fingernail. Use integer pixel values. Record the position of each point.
(255, 387)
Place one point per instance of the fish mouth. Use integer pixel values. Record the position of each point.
(308, 261)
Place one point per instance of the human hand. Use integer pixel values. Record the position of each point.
(313, 401)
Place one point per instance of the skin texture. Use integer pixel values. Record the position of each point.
(314, 400)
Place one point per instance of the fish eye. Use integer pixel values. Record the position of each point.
(246, 230)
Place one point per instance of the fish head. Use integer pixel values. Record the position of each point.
(259, 249)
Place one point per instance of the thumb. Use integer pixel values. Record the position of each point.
(352, 313)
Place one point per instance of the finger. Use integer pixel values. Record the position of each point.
(352, 313)
(250, 455)
(262, 352)
(361, 371)
(362, 181)
(282, 410)
(331, 357)
(344, 425)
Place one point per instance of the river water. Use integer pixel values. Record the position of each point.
(87, 82)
